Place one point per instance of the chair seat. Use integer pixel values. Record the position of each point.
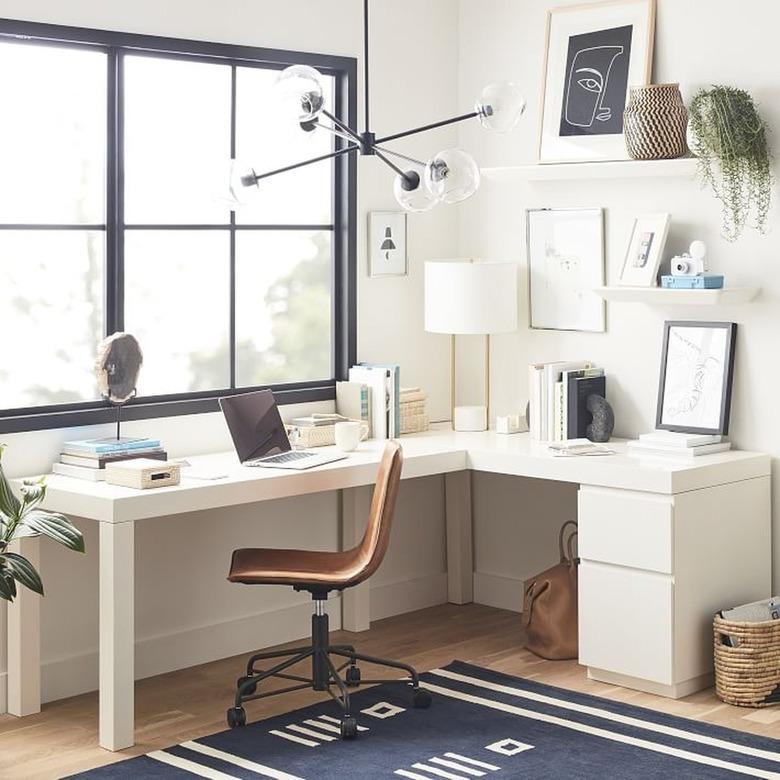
(261, 566)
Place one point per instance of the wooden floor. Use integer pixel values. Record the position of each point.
(183, 705)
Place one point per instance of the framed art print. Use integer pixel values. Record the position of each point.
(593, 54)
(387, 243)
(697, 369)
(645, 250)
(565, 264)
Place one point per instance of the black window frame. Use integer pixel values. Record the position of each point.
(344, 218)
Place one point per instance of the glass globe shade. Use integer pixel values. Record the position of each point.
(452, 176)
(242, 187)
(298, 91)
(413, 198)
(500, 106)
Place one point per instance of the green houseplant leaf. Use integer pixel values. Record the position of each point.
(56, 527)
(9, 503)
(23, 572)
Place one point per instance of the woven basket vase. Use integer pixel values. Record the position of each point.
(748, 675)
(655, 121)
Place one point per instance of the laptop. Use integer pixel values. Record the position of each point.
(259, 435)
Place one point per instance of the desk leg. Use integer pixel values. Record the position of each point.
(355, 602)
(460, 544)
(117, 635)
(24, 640)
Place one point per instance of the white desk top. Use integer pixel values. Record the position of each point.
(438, 451)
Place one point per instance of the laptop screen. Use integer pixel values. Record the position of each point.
(255, 424)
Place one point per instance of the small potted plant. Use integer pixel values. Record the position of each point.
(728, 135)
(21, 517)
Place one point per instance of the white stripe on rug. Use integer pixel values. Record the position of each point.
(613, 716)
(604, 734)
(331, 719)
(311, 733)
(190, 766)
(473, 762)
(244, 763)
(293, 738)
(438, 772)
(467, 770)
(410, 775)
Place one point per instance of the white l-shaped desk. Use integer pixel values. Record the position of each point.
(663, 545)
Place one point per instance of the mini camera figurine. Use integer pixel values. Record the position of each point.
(693, 263)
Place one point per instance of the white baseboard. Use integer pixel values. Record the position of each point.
(77, 674)
(395, 598)
(494, 590)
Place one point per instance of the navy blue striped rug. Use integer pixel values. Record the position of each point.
(482, 724)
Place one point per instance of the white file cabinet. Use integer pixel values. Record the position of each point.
(654, 570)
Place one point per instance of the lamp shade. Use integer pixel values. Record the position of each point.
(464, 297)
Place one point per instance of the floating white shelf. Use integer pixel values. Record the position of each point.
(662, 296)
(625, 169)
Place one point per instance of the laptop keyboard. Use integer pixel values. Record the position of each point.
(283, 457)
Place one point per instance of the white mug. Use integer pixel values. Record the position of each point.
(347, 435)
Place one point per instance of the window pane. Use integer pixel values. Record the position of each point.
(52, 134)
(177, 141)
(177, 306)
(283, 307)
(51, 316)
(296, 197)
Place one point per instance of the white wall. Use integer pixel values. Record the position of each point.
(696, 44)
(185, 611)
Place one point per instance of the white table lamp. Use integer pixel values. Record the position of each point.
(470, 298)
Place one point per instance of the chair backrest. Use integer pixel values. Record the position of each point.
(376, 539)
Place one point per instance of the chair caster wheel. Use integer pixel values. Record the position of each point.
(236, 717)
(249, 690)
(422, 699)
(353, 677)
(348, 727)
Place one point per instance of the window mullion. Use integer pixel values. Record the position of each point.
(232, 330)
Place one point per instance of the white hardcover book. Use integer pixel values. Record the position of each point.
(558, 410)
(678, 453)
(553, 372)
(534, 400)
(79, 472)
(682, 440)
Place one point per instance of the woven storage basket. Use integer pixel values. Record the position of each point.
(748, 675)
(319, 435)
(655, 121)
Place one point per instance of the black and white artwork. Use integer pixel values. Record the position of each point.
(696, 376)
(594, 95)
(387, 243)
(594, 52)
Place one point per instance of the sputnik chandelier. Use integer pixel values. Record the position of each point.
(450, 176)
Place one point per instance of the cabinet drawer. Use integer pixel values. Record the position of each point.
(626, 528)
(625, 621)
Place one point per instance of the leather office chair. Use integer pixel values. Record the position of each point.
(318, 573)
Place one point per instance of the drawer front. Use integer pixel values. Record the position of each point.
(626, 528)
(625, 621)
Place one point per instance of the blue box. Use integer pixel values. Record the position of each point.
(703, 282)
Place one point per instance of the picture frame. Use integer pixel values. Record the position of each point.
(696, 377)
(387, 244)
(565, 251)
(593, 53)
(645, 249)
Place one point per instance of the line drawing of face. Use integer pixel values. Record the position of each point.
(587, 85)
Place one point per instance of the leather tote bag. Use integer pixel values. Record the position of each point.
(550, 604)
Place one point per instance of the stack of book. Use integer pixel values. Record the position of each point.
(670, 444)
(87, 458)
(558, 394)
(384, 381)
(353, 401)
(414, 410)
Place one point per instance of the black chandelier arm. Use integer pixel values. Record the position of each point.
(432, 126)
(255, 177)
(334, 130)
(366, 129)
(390, 164)
(341, 125)
(406, 157)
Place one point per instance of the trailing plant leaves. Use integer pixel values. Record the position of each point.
(23, 572)
(33, 492)
(56, 527)
(730, 141)
(9, 503)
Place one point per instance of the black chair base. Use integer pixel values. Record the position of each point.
(325, 675)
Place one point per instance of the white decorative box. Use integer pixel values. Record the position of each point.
(143, 473)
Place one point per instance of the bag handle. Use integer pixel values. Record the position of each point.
(561, 533)
(531, 594)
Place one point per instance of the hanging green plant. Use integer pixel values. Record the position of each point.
(728, 136)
